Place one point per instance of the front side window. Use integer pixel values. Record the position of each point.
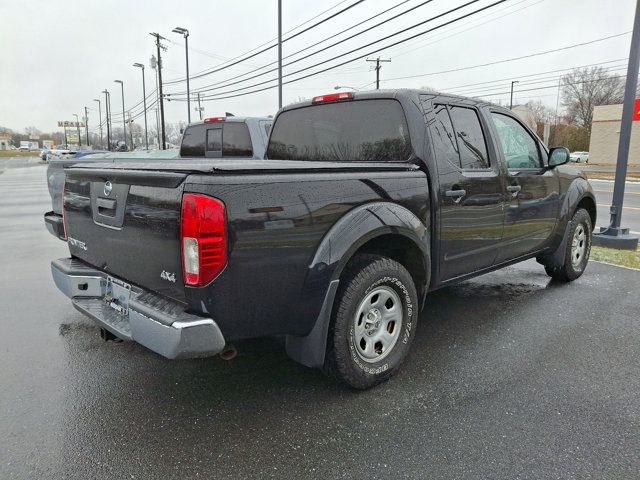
(471, 142)
(365, 130)
(519, 147)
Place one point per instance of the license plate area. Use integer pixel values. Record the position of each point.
(117, 295)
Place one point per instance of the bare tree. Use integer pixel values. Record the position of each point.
(541, 113)
(585, 88)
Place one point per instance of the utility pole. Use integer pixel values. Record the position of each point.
(107, 108)
(86, 125)
(200, 109)
(185, 33)
(131, 130)
(613, 235)
(279, 54)
(154, 65)
(511, 99)
(377, 69)
(124, 119)
(100, 121)
(78, 129)
(144, 101)
(158, 37)
(66, 142)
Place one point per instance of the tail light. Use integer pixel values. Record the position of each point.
(214, 119)
(333, 97)
(64, 215)
(203, 235)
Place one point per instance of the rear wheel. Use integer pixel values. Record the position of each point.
(373, 323)
(577, 249)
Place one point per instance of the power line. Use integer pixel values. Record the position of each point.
(371, 52)
(508, 59)
(204, 87)
(266, 49)
(373, 43)
(262, 44)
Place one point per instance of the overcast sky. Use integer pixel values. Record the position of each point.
(57, 56)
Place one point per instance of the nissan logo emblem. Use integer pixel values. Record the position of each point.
(107, 188)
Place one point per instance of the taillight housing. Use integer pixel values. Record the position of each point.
(203, 238)
(332, 97)
(64, 215)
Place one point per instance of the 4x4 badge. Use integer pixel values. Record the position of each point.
(170, 277)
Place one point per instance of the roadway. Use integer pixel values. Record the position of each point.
(511, 375)
(631, 207)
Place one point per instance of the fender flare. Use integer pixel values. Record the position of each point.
(356, 228)
(578, 190)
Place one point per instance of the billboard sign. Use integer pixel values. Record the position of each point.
(64, 123)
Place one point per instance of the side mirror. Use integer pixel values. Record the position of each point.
(558, 156)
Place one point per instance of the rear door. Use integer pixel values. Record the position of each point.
(470, 194)
(531, 190)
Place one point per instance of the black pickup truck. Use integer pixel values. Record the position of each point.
(366, 202)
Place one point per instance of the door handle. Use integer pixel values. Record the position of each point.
(514, 190)
(455, 194)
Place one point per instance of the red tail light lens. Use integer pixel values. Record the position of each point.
(333, 97)
(203, 238)
(214, 119)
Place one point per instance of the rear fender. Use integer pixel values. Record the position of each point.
(341, 242)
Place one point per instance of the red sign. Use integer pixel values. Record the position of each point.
(636, 110)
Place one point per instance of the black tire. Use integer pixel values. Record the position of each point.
(570, 270)
(366, 275)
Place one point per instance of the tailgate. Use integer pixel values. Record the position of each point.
(127, 224)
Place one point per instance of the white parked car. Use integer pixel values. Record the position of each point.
(579, 157)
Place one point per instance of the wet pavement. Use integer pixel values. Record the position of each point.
(510, 376)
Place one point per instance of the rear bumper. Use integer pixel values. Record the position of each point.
(54, 224)
(153, 321)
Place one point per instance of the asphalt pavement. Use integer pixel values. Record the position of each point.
(511, 376)
(630, 208)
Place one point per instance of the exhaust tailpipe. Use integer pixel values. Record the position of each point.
(229, 352)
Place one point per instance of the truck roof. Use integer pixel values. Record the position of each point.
(395, 93)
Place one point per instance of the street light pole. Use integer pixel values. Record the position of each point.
(511, 99)
(86, 125)
(613, 235)
(107, 108)
(144, 100)
(100, 121)
(184, 32)
(124, 120)
(279, 54)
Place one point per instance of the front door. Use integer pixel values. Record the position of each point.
(470, 194)
(532, 191)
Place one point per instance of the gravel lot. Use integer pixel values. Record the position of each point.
(511, 376)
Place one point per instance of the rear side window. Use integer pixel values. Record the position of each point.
(193, 141)
(444, 140)
(236, 141)
(471, 142)
(365, 130)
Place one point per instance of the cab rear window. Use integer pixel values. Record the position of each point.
(362, 130)
(217, 140)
